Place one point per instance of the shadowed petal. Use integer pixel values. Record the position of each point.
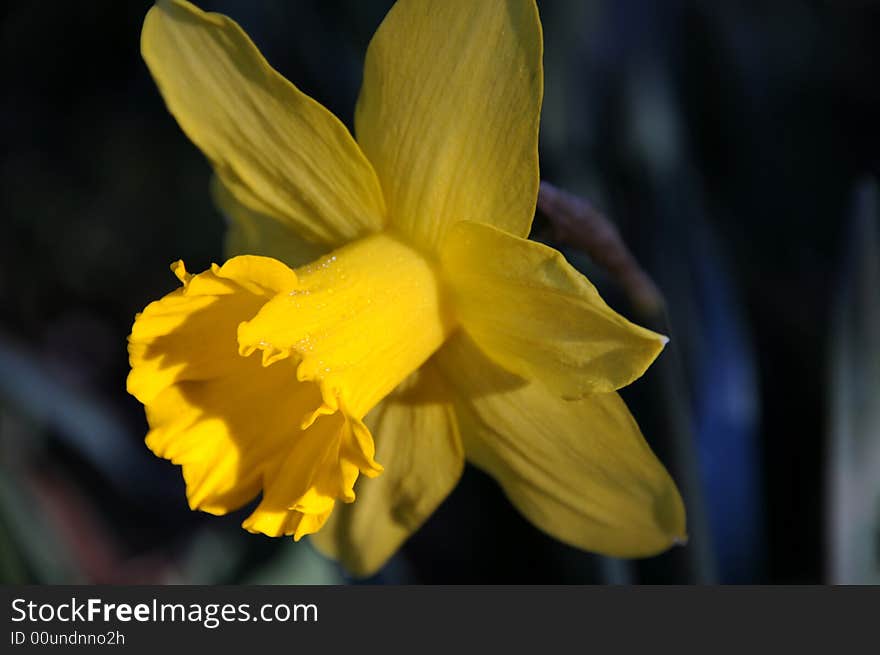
(417, 440)
(579, 470)
(253, 233)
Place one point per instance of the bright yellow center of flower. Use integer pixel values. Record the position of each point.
(335, 337)
(359, 321)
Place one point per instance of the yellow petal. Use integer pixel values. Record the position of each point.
(579, 470)
(360, 321)
(253, 233)
(235, 426)
(417, 440)
(534, 314)
(276, 150)
(448, 113)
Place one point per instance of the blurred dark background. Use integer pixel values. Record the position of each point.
(736, 146)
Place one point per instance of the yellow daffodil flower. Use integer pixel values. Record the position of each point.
(385, 305)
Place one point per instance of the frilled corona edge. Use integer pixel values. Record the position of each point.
(334, 338)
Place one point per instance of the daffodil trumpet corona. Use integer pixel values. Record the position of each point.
(382, 316)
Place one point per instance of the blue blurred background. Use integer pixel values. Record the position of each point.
(736, 146)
